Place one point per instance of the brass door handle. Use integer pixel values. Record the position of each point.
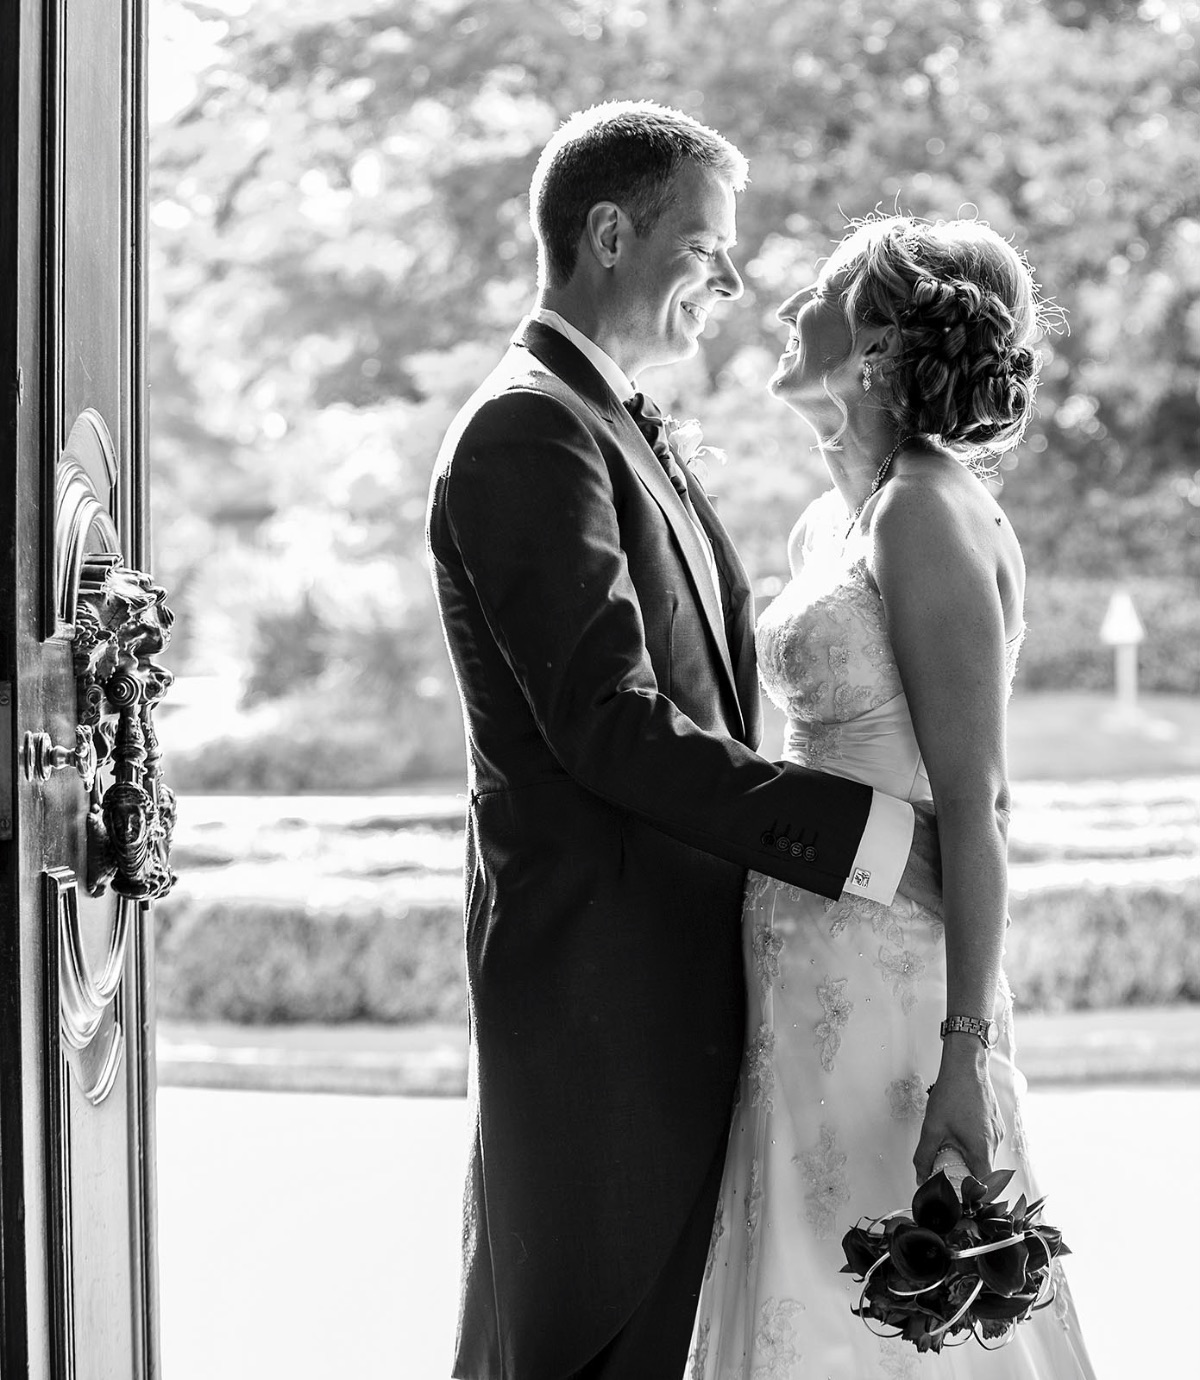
(41, 755)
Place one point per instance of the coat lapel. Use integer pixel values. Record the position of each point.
(739, 614)
(557, 353)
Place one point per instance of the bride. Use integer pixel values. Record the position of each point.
(878, 1035)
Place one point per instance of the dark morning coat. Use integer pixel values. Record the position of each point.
(615, 804)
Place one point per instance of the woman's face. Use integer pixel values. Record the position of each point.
(818, 347)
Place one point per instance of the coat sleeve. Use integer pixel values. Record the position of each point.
(528, 504)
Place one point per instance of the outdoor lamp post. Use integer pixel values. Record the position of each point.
(1122, 630)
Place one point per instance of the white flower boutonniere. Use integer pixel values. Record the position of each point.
(687, 441)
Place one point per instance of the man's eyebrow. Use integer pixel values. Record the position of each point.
(706, 232)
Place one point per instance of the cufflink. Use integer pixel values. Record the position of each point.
(861, 877)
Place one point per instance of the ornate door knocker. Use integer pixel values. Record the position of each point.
(118, 623)
(122, 623)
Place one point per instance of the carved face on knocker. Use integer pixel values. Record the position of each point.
(158, 682)
(127, 815)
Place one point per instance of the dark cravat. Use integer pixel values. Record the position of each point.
(653, 426)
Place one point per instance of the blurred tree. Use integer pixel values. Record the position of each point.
(341, 246)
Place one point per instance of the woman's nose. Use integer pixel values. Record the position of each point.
(788, 312)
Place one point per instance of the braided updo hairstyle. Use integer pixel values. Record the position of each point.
(967, 309)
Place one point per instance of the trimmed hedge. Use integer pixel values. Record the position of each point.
(256, 963)
(262, 963)
(1105, 946)
(1063, 650)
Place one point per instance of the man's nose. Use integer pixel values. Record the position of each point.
(728, 281)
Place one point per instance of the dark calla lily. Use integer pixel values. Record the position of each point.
(973, 1192)
(936, 1205)
(996, 1182)
(1003, 1272)
(1054, 1243)
(862, 1250)
(997, 1309)
(920, 1257)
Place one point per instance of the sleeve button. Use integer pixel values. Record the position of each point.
(810, 854)
(768, 839)
(797, 850)
(783, 843)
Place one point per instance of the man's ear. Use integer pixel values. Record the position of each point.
(601, 232)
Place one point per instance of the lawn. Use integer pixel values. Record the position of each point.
(1072, 737)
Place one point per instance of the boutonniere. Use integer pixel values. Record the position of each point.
(687, 441)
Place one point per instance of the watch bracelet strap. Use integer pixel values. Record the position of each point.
(967, 1025)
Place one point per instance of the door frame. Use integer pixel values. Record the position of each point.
(37, 1284)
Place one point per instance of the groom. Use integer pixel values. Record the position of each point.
(600, 626)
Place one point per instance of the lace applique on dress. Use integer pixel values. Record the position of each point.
(903, 970)
(850, 909)
(1016, 1132)
(823, 650)
(828, 1187)
(814, 743)
(1061, 1306)
(837, 1007)
(775, 1347)
(766, 946)
(753, 1209)
(718, 1231)
(700, 1354)
(896, 1360)
(907, 1097)
(758, 884)
(760, 1067)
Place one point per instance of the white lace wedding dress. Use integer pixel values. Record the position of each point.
(844, 1003)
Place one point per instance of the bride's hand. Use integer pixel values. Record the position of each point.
(962, 1109)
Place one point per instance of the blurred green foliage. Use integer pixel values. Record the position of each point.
(340, 248)
(260, 963)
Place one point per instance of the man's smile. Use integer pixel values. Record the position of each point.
(693, 310)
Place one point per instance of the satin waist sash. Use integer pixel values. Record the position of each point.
(878, 748)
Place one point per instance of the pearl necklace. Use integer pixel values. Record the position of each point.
(880, 476)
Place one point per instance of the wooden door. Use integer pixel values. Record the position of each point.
(84, 819)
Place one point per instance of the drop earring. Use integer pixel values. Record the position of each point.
(866, 376)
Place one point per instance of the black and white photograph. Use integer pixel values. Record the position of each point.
(600, 689)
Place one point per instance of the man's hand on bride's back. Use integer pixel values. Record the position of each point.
(921, 880)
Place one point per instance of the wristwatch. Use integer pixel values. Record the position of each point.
(987, 1031)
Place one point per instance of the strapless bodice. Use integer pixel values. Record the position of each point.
(825, 659)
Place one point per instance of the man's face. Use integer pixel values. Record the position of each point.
(670, 279)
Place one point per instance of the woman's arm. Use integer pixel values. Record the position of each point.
(937, 559)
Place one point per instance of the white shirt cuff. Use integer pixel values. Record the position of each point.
(883, 850)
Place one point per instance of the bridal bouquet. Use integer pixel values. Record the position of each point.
(963, 1262)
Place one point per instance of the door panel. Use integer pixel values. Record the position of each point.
(78, 633)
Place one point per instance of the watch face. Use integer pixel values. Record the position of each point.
(992, 1034)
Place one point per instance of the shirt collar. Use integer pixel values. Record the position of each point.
(603, 363)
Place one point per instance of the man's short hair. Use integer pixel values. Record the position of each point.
(626, 152)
